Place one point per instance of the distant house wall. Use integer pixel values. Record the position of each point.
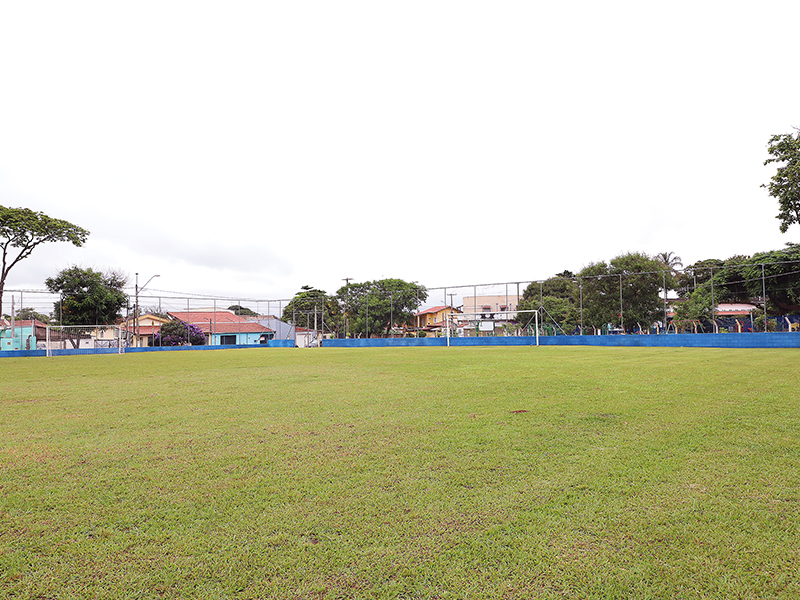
(495, 304)
(224, 327)
(438, 314)
(23, 336)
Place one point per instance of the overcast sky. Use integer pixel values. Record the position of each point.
(245, 149)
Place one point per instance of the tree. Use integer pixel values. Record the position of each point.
(731, 281)
(697, 275)
(154, 310)
(29, 314)
(23, 229)
(625, 292)
(558, 295)
(697, 307)
(88, 297)
(378, 306)
(243, 311)
(785, 184)
(312, 307)
(781, 278)
(179, 333)
(671, 262)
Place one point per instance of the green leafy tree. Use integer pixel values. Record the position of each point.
(88, 297)
(22, 230)
(243, 311)
(29, 314)
(374, 307)
(697, 307)
(312, 307)
(785, 184)
(626, 292)
(558, 295)
(731, 280)
(697, 275)
(781, 278)
(563, 311)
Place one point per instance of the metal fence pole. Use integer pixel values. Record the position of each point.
(764, 293)
(712, 294)
(664, 280)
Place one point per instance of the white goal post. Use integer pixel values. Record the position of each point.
(83, 339)
(488, 321)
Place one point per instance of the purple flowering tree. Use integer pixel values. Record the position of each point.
(179, 333)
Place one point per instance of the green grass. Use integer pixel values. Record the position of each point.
(402, 473)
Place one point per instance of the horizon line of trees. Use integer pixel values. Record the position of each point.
(629, 291)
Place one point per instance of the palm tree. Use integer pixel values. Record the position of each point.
(671, 261)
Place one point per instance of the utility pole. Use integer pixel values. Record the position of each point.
(347, 306)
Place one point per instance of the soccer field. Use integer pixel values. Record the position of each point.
(523, 472)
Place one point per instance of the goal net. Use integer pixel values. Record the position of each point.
(83, 339)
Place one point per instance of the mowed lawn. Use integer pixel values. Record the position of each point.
(550, 472)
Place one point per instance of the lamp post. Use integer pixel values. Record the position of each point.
(346, 306)
(136, 306)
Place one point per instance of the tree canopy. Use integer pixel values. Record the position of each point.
(243, 311)
(88, 297)
(375, 307)
(559, 296)
(625, 292)
(785, 184)
(312, 307)
(25, 314)
(22, 230)
(781, 278)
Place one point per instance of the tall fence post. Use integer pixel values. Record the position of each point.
(713, 312)
(664, 280)
(764, 294)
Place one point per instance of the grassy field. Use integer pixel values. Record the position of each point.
(402, 473)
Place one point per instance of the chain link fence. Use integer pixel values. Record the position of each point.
(709, 299)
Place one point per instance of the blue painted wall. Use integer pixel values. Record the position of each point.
(73, 352)
(688, 340)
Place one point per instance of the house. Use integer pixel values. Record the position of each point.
(503, 307)
(33, 335)
(306, 338)
(723, 309)
(283, 330)
(143, 332)
(225, 328)
(434, 319)
(21, 335)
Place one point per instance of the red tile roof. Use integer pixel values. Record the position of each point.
(220, 322)
(23, 323)
(435, 309)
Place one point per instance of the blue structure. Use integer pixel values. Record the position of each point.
(688, 340)
(23, 335)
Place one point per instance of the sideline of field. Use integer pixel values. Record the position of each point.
(399, 473)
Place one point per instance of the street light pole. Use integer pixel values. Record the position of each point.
(136, 306)
(346, 306)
